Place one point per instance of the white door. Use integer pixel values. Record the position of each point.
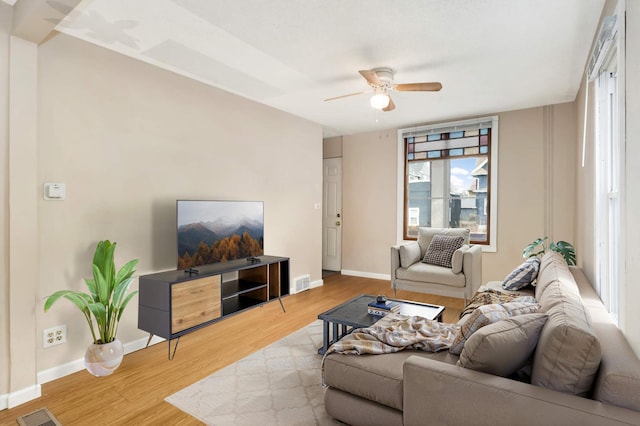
(332, 214)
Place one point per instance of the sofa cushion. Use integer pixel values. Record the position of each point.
(377, 378)
(503, 347)
(424, 272)
(523, 275)
(552, 266)
(487, 314)
(618, 379)
(441, 249)
(425, 235)
(456, 260)
(409, 254)
(568, 353)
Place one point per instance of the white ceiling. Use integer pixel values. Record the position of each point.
(489, 55)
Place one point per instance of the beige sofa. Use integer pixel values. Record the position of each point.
(408, 272)
(418, 388)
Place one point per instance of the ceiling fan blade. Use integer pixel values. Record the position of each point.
(346, 96)
(371, 77)
(391, 105)
(418, 87)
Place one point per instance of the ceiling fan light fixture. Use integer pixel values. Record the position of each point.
(380, 100)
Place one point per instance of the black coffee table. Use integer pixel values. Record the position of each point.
(353, 314)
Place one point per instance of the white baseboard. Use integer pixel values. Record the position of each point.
(386, 277)
(60, 371)
(14, 399)
(78, 364)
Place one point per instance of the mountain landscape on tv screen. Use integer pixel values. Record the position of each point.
(219, 241)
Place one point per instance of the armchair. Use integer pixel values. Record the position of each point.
(408, 272)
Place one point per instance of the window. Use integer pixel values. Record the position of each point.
(449, 178)
(609, 121)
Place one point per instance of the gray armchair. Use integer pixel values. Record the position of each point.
(408, 272)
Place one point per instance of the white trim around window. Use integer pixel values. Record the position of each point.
(447, 127)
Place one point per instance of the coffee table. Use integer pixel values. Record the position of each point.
(352, 314)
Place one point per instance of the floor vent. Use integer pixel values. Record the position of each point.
(302, 283)
(41, 417)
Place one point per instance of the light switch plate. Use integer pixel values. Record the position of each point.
(54, 191)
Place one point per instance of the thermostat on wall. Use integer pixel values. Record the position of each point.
(54, 191)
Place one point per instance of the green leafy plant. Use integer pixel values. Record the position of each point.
(107, 296)
(564, 248)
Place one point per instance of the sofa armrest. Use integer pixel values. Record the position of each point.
(472, 269)
(397, 256)
(395, 262)
(435, 392)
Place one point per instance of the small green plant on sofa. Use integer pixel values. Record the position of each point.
(564, 248)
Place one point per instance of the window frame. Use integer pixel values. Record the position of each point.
(608, 80)
(492, 228)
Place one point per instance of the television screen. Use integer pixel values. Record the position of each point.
(218, 231)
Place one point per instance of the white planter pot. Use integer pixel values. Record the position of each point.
(102, 360)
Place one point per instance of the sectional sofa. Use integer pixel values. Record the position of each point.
(582, 371)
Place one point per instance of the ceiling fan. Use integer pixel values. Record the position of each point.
(381, 82)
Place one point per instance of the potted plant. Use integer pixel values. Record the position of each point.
(102, 308)
(566, 249)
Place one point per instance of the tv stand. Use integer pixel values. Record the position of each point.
(174, 303)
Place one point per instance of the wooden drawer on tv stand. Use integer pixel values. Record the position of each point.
(194, 303)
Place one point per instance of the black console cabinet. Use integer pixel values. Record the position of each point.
(174, 303)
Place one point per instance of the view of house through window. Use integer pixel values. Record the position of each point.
(457, 198)
(447, 182)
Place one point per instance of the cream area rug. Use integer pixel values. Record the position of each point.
(280, 384)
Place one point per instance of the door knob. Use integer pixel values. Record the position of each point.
(337, 222)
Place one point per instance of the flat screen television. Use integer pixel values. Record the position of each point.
(218, 231)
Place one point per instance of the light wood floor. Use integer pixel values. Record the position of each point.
(134, 394)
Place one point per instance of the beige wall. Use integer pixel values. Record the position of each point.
(535, 145)
(585, 182)
(128, 139)
(23, 212)
(6, 13)
(368, 201)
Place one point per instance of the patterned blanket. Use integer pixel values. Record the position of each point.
(488, 297)
(394, 333)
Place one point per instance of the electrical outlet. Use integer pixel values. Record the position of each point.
(54, 336)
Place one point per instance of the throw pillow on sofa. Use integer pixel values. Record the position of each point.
(441, 249)
(503, 347)
(488, 314)
(569, 352)
(523, 275)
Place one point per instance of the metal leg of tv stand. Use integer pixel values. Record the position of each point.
(281, 304)
(175, 348)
